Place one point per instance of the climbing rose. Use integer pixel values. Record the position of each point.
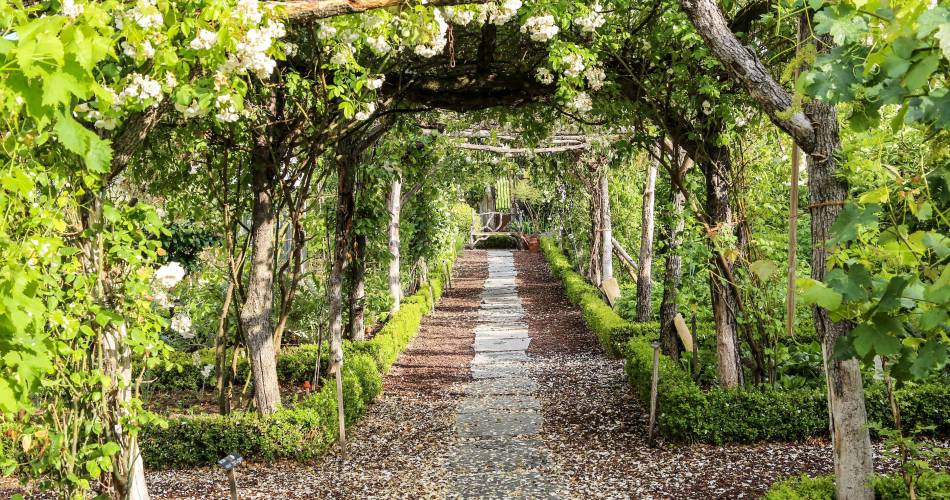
(544, 76)
(541, 28)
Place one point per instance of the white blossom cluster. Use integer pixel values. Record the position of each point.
(378, 45)
(99, 120)
(581, 103)
(250, 55)
(376, 82)
(540, 28)
(592, 21)
(142, 88)
(249, 11)
(206, 371)
(181, 324)
(169, 275)
(205, 40)
(146, 15)
(366, 112)
(595, 77)
(459, 16)
(72, 9)
(439, 40)
(573, 64)
(500, 14)
(545, 76)
(325, 30)
(226, 111)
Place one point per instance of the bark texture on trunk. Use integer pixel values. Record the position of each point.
(607, 235)
(850, 436)
(672, 276)
(358, 289)
(345, 209)
(724, 304)
(221, 352)
(128, 476)
(393, 206)
(815, 130)
(259, 302)
(645, 278)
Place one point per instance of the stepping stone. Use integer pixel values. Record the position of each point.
(502, 344)
(494, 402)
(499, 371)
(527, 484)
(492, 357)
(508, 386)
(498, 423)
(494, 455)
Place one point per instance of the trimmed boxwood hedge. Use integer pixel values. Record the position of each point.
(688, 413)
(931, 486)
(303, 431)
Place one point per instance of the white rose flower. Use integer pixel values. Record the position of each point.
(378, 45)
(581, 103)
(206, 371)
(205, 40)
(707, 107)
(169, 275)
(595, 77)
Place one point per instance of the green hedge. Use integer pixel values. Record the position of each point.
(931, 486)
(305, 430)
(688, 413)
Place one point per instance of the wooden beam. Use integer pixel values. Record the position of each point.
(522, 151)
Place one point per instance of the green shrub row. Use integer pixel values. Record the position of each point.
(931, 486)
(309, 427)
(688, 413)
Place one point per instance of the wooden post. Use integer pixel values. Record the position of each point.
(339, 409)
(653, 389)
(695, 360)
(232, 479)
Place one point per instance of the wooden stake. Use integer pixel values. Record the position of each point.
(232, 480)
(792, 244)
(339, 408)
(653, 390)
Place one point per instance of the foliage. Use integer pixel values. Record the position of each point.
(305, 430)
(932, 486)
(688, 413)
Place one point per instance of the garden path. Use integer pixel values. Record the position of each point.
(564, 420)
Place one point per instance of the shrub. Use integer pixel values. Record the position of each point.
(301, 432)
(498, 241)
(687, 413)
(931, 486)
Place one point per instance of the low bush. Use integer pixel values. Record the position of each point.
(498, 242)
(308, 428)
(688, 413)
(931, 486)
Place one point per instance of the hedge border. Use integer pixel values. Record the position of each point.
(932, 485)
(688, 413)
(308, 428)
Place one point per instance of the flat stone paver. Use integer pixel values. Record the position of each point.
(499, 454)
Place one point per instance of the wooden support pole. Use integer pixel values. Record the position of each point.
(653, 390)
(232, 483)
(792, 243)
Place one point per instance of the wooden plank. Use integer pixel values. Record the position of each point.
(683, 331)
(612, 290)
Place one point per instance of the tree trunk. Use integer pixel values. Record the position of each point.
(358, 289)
(669, 342)
(128, 476)
(724, 305)
(815, 130)
(607, 235)
(259, 303)
(393, 207)
(645, 279)
(221, 352)
(852, 442)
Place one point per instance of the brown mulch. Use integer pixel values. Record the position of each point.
(397, 448)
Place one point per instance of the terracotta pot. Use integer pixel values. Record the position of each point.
(534, 243)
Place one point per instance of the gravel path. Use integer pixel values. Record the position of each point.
(584, 436)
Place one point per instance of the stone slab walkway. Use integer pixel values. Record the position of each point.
(498, 454)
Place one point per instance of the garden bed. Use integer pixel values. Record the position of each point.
(302, 430)
(689, 413)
